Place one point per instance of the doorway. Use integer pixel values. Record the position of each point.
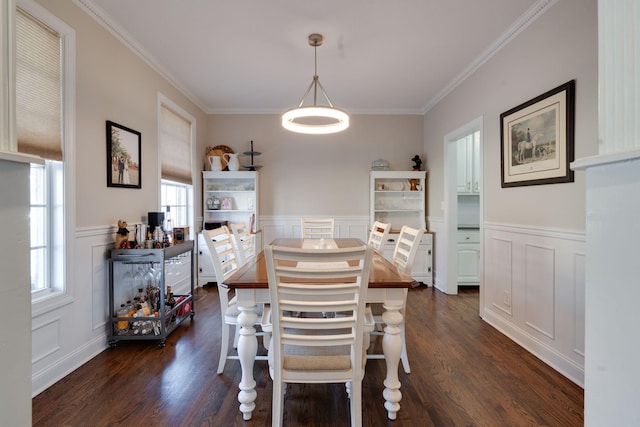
(463, 207)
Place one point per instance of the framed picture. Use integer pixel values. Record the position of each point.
(123, 156)
(537, 139)
(226, 203)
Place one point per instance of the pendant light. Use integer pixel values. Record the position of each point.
(315, 119)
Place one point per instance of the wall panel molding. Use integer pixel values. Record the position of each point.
(543, 272)
(539, 284)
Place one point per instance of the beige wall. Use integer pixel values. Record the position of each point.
(318, 174)
(559, 46)
(112, 83)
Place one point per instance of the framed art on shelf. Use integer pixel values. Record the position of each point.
(226, 203)
(537, 139)
(123, 156)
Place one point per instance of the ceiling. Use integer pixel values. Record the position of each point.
(378, 56)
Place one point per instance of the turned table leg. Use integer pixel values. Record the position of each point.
(392, 348)
(247, 349)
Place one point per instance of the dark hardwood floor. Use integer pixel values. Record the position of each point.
(464, 373)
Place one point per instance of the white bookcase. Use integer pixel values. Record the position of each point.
(393, 201)
(398, 198)
(227, 196)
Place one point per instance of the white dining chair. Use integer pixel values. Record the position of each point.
(317, 349)
(245, 244)
(378, 235)
(317, 228)
(404, 255)
(225, 263)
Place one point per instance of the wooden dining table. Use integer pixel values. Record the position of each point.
(387, 285)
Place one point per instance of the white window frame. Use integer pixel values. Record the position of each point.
(190, 214)
(185, 204)
(60, 290)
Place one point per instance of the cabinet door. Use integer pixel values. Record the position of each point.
(468, 166)
(206, 273)
(464, 178)
(475, 163)
(468, 264)
(423, 262)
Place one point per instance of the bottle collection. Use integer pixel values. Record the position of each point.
(143, 301)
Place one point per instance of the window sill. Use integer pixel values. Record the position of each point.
(50, 302)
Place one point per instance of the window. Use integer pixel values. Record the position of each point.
(175, 202)
(44, 123)
(47, 222)
(176, 141)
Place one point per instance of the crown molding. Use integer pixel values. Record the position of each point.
(534, 12)
(105, 20)
(541, 6)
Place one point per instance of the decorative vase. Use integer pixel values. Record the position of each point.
(215, 163)
(232, 162)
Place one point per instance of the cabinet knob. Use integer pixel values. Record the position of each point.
(466, 238)
(429, 252)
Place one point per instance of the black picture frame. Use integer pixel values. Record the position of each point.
(124, 156)
(537, 139)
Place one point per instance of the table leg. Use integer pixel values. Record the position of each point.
(247, 349)
(392, 348)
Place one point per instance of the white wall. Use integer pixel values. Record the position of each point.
(612, 375)
(559, 46)
(112, 84)
(319, 174)
(15, 352)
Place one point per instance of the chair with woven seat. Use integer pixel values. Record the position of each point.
(317, 228)
(225, 263)
(404, 255)
(378, 235)
(244, 240)
(316, 349)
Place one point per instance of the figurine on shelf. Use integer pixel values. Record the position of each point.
(122, 235)
(417, 162)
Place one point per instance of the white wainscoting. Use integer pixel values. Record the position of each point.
(276, 227)
(70, 334)
(533, 291)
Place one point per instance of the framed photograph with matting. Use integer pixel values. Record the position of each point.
(123, 156)
(537, 142)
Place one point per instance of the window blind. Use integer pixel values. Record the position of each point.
(175, 147)
(38, 88)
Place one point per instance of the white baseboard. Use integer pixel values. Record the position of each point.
(44, 379)
(547, 354)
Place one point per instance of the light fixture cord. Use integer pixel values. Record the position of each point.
(315, 74)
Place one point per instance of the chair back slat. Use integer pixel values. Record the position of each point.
(244, 240)
(222, 251)
(379, 235)
(317, 228)
(406, 248)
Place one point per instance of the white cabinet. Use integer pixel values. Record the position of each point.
(227, 197)
(422, 269)
(468, 152)
(397, 197)
(205, 265)
(468, 257)
(230, 196)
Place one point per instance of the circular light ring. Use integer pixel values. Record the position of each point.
(341, 120)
